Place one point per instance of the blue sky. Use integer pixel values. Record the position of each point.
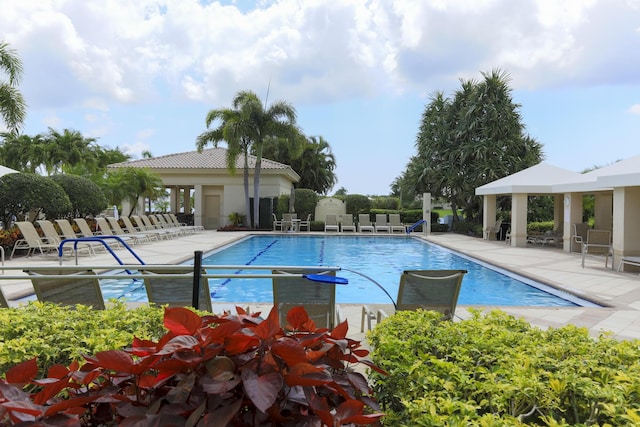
(142, 75)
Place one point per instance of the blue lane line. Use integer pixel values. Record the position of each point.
(321, 252)
(226, 281)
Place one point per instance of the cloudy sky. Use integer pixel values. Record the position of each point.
(142, 75)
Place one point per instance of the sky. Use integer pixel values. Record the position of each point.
(141, 75)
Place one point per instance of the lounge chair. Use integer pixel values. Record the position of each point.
(51, 234)
(491, 233)
(381, 224)
(69, 290)
(346, 223)
(177, 290)
(131, 229)
(598, 243)
(317, 298)
(31, 241)
(168, 223)
(143, 227)
(85, 229)
(364, 223)
(629, 260)
(331, 223)
(435, 290)
(305, 224)
(67, 231)
(177, 223)
(290, 222)
(155, 222)
(110, 227)
(395, 224)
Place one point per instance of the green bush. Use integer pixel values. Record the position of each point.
(305, 202)
(357, 204)
(494, 369)
(87, 199)
(59, 335)
(539, 227)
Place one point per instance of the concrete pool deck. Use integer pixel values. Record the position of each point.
(620, 292)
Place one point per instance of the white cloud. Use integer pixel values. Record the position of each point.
(144, 51)
(635, 109)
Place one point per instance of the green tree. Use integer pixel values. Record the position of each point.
(132, 184)
(234, 128)
(312, 160)
(357, 204)
(467, 141)
(22, 152)
(250, 125)
(13, 108)
(29, 195)
(87, 199)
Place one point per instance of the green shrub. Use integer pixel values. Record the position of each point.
(494, 369)
(305, 202)
(59, 335)
(357, 204)
(539, 227)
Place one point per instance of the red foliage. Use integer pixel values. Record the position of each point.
(230, 370)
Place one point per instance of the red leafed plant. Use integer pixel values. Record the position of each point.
(230, 370)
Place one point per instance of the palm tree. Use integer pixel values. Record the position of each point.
(133, 184)
(234, 124)
(278, 120)
(250, 125)
(13, 108)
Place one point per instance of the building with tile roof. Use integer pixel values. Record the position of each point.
(217, 192)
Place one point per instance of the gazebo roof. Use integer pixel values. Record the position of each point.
(211, 158)
(5, 170)
(538, 179)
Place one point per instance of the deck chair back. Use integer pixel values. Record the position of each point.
(32, 241)
(364, 223)
(436, 290)
(67, 290)
(84, 227)
(177, 290)
(317, 298)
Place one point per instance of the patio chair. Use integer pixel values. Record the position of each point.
(317, 298)
(435, 290)
(381, 224)
(31, 241)
(491, 233)
(305, 224)
(143, 227)
(598, 244)
(175, 290)
(331, 223)
(152, 222)
(67, 290)
(364, 223)
(277, 223)
(395, 224)
(51, 234)
(346, 223)
(290, 222)
(579, 235)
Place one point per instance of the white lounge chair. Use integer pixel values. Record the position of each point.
(51, 234)
(67, 231)
(364, 223)
(68, 290)
(381, 224)
(31, 241)
(346, 223)
(277, 223)
(331, 223)
(492, 232)
(395, 224)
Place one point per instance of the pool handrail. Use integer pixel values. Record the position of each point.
(416, 225)
(100, 239)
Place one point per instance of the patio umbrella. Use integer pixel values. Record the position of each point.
(5, 170)
(292, 200)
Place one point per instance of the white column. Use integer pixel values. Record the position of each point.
(186, 192)
(426, 212)
(572, 215)
(626, 227)
(198, 205)
(603, 211)
(519, 220)
(489, 213)
(174, 199)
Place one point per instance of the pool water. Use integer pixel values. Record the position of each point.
(381, 258)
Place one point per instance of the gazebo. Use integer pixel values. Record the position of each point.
(617, 201)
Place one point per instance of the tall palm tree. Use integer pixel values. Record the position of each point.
(276, 121)
(249, 125)
(13, 108)
(234, 124)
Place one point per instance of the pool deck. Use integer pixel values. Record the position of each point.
(620, 292)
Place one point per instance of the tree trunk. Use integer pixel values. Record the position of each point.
(247, 199)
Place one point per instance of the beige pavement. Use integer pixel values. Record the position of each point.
(620, 292)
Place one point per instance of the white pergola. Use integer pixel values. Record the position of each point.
(617, 201)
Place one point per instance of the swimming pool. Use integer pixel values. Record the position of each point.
(382, 258)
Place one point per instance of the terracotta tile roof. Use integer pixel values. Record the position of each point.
(211, 158)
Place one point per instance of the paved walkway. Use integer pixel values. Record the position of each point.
(620, 292)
